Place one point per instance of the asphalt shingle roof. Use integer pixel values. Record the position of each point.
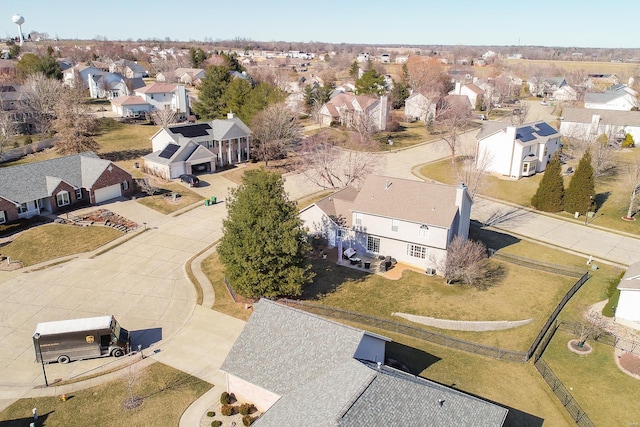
(31, 181)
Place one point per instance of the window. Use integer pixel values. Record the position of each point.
(373, 244)
(78, 193)
(3, 217)
(340, 232)
(417, 251)
(62, 198)
(424, 231)
(525, 167)
(395, 224)
(358, 218)
(125, 185)
(22, 208)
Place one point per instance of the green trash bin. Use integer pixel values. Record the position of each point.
(213, 200)
(206, 202)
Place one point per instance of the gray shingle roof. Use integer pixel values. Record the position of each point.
(31, 181)
(309, 360)
(416, 201)
(631, 278)
(281, 348)
(608, 117)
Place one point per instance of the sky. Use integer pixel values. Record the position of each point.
(567, 23)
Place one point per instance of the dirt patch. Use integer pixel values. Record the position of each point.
(630, 363)
(585, 349)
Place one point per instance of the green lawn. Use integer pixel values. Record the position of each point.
(608, 395)
(50, 241)
(612, 195)
(166, 392)
(165, 203)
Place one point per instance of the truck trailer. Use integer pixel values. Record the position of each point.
(65, 340)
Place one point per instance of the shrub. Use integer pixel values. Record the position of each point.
(247, 420)
(225, 398)
(247, 408)
(216, 423)
(28, 140)
(228, 410)
(211, 414)
(628, 141)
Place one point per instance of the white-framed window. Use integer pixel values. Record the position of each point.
(417, 251)
(63, 199)
(78, 193)
(3, 217)
(395, 224)
(358, 218)
(373, 244)
(424, 231)
(525, 167)
(340, 232)
(125, 185)
(23, 208)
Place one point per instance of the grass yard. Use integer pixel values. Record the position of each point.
(608, 395)
(619, 68)
(214, 270)
(50, 241)
(164, 202)
(124, 144)
(167, 393)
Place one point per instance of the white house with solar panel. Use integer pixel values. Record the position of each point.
(516, 151)
(198, 147)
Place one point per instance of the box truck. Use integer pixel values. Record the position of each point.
(66, 340)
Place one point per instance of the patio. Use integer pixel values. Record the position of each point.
(373, 263)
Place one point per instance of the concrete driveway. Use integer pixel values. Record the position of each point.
(142, 282)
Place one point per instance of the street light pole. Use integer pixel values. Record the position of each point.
(44, 373)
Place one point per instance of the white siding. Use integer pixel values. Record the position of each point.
(247, 392)
(629, 305)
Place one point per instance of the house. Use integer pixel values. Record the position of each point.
(419, 107)
(565, 93)
(11, 103)
(186, 76)
(355, 110)
(298, 368)
(600, 81)
(112, 85)
(158, 96)
(363, 57)
(412, 221)
(471, 91)
(587, 124)
(516, 151)
(129, 69)
(48, 186)
(617, 97)
(79, 72)
(628, 308)
(544, 87)
(198, 147)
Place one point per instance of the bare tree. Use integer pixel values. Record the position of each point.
(453, 117)
(471, 170)
(164, 117)
(329, 167)
(466, 261)
(632, 181)
(132, 377)
(520, 115)
(428, 77)
(591, 327)
(8, 130)
(274, 129)
(74, 124)
(39, 98)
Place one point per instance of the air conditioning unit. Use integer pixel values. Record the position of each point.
(430, 271)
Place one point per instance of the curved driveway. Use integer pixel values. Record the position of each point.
(142, 282)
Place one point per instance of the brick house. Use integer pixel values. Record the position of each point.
(52, 185)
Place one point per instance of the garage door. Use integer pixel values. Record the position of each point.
(108, 193)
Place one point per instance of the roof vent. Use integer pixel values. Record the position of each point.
(387, 185)
(441, 402)
(379, 365)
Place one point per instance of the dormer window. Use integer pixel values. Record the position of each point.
(424, 231)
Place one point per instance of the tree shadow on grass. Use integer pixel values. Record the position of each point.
(495, 275)
(600, 199)
(328, 277)
(21, 422)
(117, 156)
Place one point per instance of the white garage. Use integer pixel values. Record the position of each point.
(107, 193)
(628, 309)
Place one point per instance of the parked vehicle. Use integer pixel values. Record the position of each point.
(481, 117)
(192, 180)
(65, 340)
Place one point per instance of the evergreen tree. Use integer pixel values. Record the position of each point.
(264, 247)
(550, 194)
(354, 70)
(370, 83)
(210, 103)
(579, 194)
(197, 57)
(398, 94)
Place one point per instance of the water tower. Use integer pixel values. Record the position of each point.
(19, 20)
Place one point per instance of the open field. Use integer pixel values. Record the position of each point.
(619, 68)
(166, 393)
(51, 241)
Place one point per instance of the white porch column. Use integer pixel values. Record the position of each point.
(220, 152)
(239, 151)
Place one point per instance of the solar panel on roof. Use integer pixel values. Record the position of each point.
(545, 130)
(525, 134)
(169, 151)
(191, 131)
